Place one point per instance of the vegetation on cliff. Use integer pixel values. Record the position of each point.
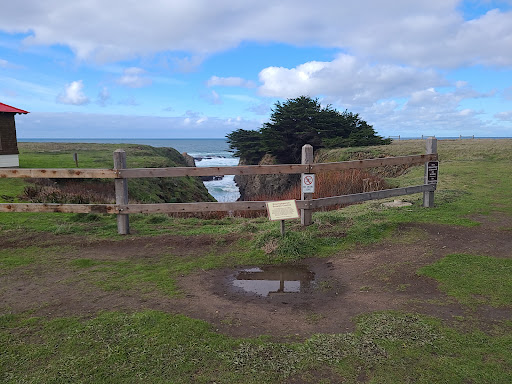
(60, 155)
(302, 121)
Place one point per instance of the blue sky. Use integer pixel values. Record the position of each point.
(198, 68)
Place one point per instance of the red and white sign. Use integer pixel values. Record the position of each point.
(308, 182)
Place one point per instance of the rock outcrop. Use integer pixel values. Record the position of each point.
(189, 160)
(253, 187)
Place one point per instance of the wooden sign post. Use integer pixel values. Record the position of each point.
(306, 215)
(121, 186)
(282, 210)
(428, 197)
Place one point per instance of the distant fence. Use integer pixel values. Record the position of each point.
(120, 173)
(398, 137)
(423, 137)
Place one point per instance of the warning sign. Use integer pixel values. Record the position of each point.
(432, 172)
(308, 182)
(282, 210)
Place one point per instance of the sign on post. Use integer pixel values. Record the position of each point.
(308, 183)
(432, 172)
(282, 210)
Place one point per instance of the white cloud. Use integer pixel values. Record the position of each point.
(187, 64)
(504, 116)
(426, 112)
(421, 32)
(262, 109)
(59, 125)
(242, 98)
(4, 63)
(103, 97)
(129, 101)
(212, 98)
(346, 80)
(73, 94)
(28, 87)
(134, 78)
(230, 82)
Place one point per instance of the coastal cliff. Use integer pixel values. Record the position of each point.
(95, 155)
(253, 187)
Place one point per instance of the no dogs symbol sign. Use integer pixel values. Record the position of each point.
(308, 183)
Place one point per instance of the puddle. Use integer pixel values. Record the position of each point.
(272, 279)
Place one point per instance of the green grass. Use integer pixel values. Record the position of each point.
(463, 192)
(90, 155)
(387, 347)
(144, 277)
(474, 280)
(149, 190)
(11, 189)
(11, 258)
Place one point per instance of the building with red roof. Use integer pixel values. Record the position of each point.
(9, 154)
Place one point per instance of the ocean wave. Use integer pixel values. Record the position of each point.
(217, 162)
(224, 190)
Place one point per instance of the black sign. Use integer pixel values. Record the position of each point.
(432, 172)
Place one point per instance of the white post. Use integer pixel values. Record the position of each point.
(306, 215)
(121, 186)
(428, 197)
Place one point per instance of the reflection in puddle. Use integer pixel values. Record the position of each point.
(274, 279)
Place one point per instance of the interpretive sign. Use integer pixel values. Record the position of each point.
(432, 172)
(282, 210)
(308, 182)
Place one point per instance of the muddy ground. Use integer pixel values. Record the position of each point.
(370, 278)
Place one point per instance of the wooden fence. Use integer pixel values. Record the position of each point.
(120, 173)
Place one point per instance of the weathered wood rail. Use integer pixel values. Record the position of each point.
(282, 169)
(120, 173)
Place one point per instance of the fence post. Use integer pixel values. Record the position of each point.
(306, 215)
(121, 186)
(428, 197)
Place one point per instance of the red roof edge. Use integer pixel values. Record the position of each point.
(8, 108)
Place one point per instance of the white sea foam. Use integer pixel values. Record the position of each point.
(213, 153)
(225, 189)
(215, 161)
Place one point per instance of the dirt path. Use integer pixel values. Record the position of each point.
(374, 278)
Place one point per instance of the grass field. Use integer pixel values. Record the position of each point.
(148, 190)
(456, 330)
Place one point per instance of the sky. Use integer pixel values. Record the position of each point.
(202, 69)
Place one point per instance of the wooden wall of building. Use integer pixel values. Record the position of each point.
(8, 140)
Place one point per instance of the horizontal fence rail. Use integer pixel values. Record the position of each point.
(120, 173)
(372, 163)
(58, 173)
(62, 208)
(130, 173)
(374, 195)
(208, 207)
(214, 171)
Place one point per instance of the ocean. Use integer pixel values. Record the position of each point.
(207, 152)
